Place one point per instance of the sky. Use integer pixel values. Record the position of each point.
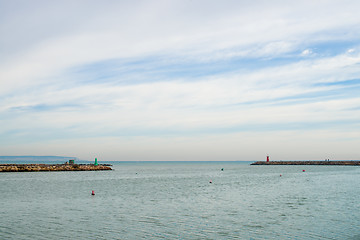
(184, 80)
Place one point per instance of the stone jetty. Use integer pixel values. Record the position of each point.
(52, 167)
(338, 163)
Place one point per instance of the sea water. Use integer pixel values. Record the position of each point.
(175, 200)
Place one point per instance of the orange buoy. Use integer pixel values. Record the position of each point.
(93, 192)
(303, 170)
(210, 181)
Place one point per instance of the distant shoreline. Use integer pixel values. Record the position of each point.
(331, 163)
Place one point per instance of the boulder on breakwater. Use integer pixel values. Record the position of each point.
(52, 167)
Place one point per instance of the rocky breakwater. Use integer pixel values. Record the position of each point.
(51, 167)
(338, 163)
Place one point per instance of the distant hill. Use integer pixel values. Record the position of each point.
(37, 159)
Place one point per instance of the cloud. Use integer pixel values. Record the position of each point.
(306, 52)
(75, 71)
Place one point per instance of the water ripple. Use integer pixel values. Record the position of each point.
(165, 201)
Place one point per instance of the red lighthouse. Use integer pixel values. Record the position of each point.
(267, 158)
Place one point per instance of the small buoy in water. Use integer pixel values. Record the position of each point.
(93, 192)
(303, 170)
(210, 181)
(222, 169)
(280, 175)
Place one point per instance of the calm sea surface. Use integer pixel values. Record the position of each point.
(155, 200)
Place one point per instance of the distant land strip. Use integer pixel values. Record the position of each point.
(338, 163)
(52, 167)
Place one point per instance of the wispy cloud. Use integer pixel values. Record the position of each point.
(176, 74)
